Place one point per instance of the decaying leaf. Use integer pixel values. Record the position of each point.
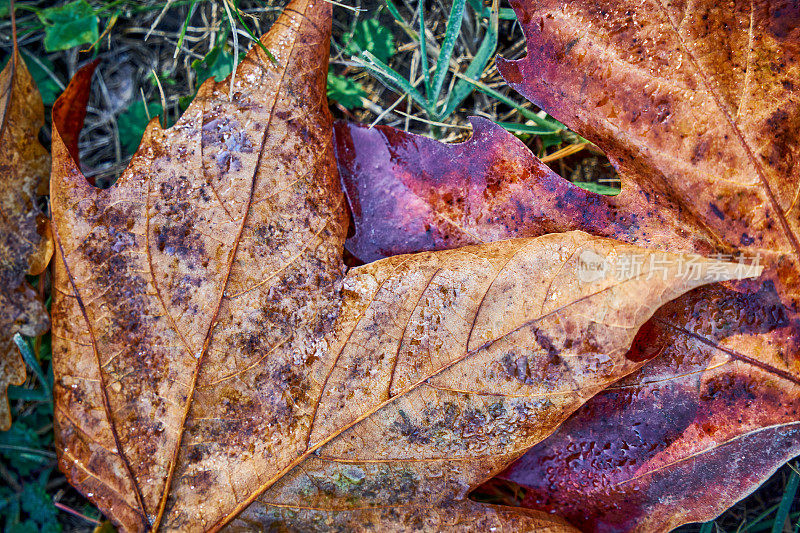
(457, 361)
(709, 164)
(70, 112)
(680, 440)
(24, 164)
(690, 405)
(698, 105)
(212, 360)
(410, 193)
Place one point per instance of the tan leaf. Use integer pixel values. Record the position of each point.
(697, 105)
(659, 448)
(24, 164)
(450, 517)
(212, 358)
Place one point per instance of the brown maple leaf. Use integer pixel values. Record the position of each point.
(705, 168)
(24, 165)
(687, 420)
(696, 104)
(213, 360)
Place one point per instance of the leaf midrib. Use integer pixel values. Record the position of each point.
(733, 354)
(141, 511)
(706, 450)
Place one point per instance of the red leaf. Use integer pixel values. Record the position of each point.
(409, 193)
(680, 440)
(69, 110)
(720, 395)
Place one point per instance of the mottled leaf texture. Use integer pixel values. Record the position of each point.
(410, 193)
(24, 164)
(697, 103)
(729, 415)
(697, 106)
(215, 366)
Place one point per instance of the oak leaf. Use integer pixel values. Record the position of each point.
(24, 165)
(706, 168)
(214, 365)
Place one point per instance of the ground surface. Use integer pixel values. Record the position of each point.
(145, 60)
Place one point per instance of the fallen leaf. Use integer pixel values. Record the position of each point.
(24, 164)
(677, 442)
(450, 363)
(696, 105)
(506, 191)
(698, 111)
(731, 353)
(70, 112)
(212, 359)
(410, 193)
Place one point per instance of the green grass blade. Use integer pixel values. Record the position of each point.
(390, 77)
(550, 124)
(29, 395)
(401, 21)
(515, 127)
(252, 35)
(507, 13)
(30, 359)
(707, 527)
(597, 188)
(485, 52)
(449, 43)
(183, 28)
(760, 518)
(504, 13)
(108, 7)
(423, 54)
(789, 494)
(758, 528)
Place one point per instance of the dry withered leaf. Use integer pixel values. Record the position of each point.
(705, 168)
(696, 104)
(24, 164)
(212, 359)
(624, 461)
(458, 360)
(410, 193)
(723, 427)
(687, 400)
(686, 420)
(70, 112)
